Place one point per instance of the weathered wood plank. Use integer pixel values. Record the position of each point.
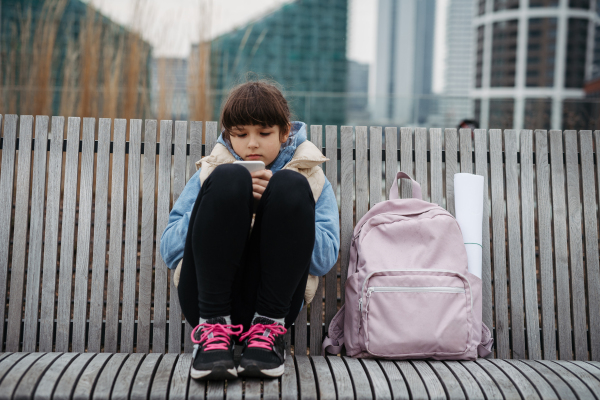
(84, 227)
(498, 211)
(415, 384)
(406, 164)
(588, 367)
(590, 219)
(87, 381)
(212, 134)
(450, 144)
(17, 272)
(67, 240)
(162, 217)
(541, 385)
(544, 217)
(306, 379)
(592, 381)
(529, 262)
(481, 168)
(576, 384)
(68, 380)
(559, 386)
(375, 166)
(270, 389)
(36, 229)
(9, 139)
(517, 319)
(131, 236)
(215, 390)
(507, 388)
(289, 385)
(181, 375)
(485, 382)
(140, 388)
(437, 189)
(9, 362)
(395, 379)
(467, 382)
(359, 378)
(50, 378)
(432, 383)
(316, 136)
(9, 382)
(252, 389)
(525, 388)
(122, 385)
(346, 204)
(362, 174)
(381, 388)
(391, 158)
(561, 257)
(160, 382)
(466, 153)
(341, 377)
(331, 277)
(30, 379)
(235, 389)
(577, 279)
(147, 238)
(300, 338)
(99, 252)
(421, 161)
(197, 389)
(105, 381)
(451, 385)
(323, 376)
(113, 289)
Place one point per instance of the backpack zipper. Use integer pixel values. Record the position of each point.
(415, 289)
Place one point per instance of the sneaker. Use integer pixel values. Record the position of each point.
(264, 350)
(213, 350)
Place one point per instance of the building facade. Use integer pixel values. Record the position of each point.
(532, 58)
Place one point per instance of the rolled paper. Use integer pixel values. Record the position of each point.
(468, 203)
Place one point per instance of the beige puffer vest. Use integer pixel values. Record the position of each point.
(307, 160)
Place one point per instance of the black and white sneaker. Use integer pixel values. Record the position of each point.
(264, 350)
(213, 350)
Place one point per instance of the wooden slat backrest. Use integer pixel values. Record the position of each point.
(539, 199)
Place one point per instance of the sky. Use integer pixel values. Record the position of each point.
(172, 26)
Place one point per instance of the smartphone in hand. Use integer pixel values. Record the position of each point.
(251, 166)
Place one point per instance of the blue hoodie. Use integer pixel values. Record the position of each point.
(327, 228)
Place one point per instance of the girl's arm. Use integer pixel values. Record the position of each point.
(173, 238)
(327, 232)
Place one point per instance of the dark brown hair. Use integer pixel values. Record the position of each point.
(255, 103)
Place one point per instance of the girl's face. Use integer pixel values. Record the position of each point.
(257, 143)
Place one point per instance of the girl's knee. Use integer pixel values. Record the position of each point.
(290, 184)
(230, 180)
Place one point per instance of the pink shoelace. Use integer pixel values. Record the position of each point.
(216, 336)
(262, 336)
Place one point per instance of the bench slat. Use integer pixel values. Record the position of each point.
(34, 259)
(575, 383)
(346, 204)
(360, 382)
(467, 382)
(391, 158)
(432, 383)
(529, 261)
(504, 384)
(375, 166)
(143, 381)
(542, 167)
(300, 338)
(85, 384)
(421, 161)
(17, 273)
(126, 376)
(413, 380)
(541, 385)
(106, 379)
(591, 238)
(197, 389)
(214, 390)
(450, 142)
(513, 221)
(481, 168)
(500, 290)
(84, 225)
(406, 164)
(559, 386)
(212, 135)
(234, 390)
(437, 190)
(381, 388)
(46, 384)
(289, 385)
(113, 292)
(485, 382)
(596, 321)
(341, 377)
(270, 389)
(525, 388)
(30, 379)
(68, 380)
(466, 153)
(9, 362)
(561, 257)
(163, 207)
(395, 379)
(588, 367)
(99, 252)
(450, 383)
(131, 236)
(362, 173)
(331, 172)
(178, 388)
(306, 379)
(13, 377)
(9, 136)
(324, 378)
(147, 238)
(576, 246)
(588, 379)
(252, 387)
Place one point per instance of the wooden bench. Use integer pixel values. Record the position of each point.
(91, 313)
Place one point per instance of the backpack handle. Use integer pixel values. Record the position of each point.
(416, 188)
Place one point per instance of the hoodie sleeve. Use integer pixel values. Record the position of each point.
(327, 232)
(173, 238)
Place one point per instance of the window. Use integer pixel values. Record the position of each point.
(576, 52)
(504, 52)
(540, 52)
(501, 113)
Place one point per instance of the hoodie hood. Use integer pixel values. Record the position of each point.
(286, 152)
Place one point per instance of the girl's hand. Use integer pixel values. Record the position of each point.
(260, 180)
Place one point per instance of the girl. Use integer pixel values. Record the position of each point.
(247, 248)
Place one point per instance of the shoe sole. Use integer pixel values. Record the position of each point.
(253, 371)
(217, 373)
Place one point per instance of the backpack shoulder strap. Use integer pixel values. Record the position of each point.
(335, 341)
(485, 347)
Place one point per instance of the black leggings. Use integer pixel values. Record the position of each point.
(227, 270)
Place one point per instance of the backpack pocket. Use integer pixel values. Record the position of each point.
(416, 314)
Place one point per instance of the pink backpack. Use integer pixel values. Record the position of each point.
(409, 294)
